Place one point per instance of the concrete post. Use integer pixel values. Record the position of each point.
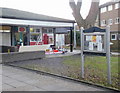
(28, 35)
(108, 54)
(12, 37)
(82, 55)
(74, 37)
(71, 41)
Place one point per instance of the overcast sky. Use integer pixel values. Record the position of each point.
(56, 8)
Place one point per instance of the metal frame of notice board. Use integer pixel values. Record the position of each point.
(96, 41)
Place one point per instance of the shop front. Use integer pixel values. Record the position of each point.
(5, 36)
(32, 35)
(41, 35)
(29, 29)
(19, 35)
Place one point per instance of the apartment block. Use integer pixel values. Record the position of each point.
(110, 15)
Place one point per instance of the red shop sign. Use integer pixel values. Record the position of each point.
(21, 29)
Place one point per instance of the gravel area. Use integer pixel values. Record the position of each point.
(54, 65)
(70, 67)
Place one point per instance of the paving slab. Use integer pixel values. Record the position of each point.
(0, 78)
(27, 80)
(73, 53)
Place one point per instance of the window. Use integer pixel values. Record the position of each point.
(118, 36)
(31, 30)
(34, 30)
(103, 22)
(44, 30)
(36, 37)
(110, 8)
(110, 21)
(117, 20)
(4, 30)
(47, 30)
(113, 37)
(117, 5)
(50, 30)
(38, 30)
(103, 9)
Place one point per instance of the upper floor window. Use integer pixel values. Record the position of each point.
(103, 9)
(103, 22)
(117, 5)
(110, 21)
(110, 7)
(117, 20)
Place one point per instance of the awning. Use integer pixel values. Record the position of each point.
(5, 21)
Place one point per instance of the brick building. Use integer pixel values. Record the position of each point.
(110, 15)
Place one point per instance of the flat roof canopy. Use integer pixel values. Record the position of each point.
(5, 21)
(24, 15)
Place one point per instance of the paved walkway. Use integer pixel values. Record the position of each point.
(0, 78)
(15, 79)
(66, 54)
(73, 53)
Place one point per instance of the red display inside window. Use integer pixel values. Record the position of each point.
(21, 29)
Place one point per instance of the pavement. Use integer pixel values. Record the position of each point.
(17, 79)
(66, 54)
(73, 53)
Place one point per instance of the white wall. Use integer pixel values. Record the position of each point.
(33, 48)
(60, 40)
(5, 39)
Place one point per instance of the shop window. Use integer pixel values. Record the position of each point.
(113, 37)
(35, 35)
(47, 30)
(44, 30)
(35, 38)
(31, 30)
(50, 31)
(37, 30)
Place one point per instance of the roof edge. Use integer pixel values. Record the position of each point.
(50, 18)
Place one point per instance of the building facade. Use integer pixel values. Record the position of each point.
(110, 15)
(24, 28)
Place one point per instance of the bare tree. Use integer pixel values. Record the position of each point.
(90, 19)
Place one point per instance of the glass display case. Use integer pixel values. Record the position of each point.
(94, 42)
